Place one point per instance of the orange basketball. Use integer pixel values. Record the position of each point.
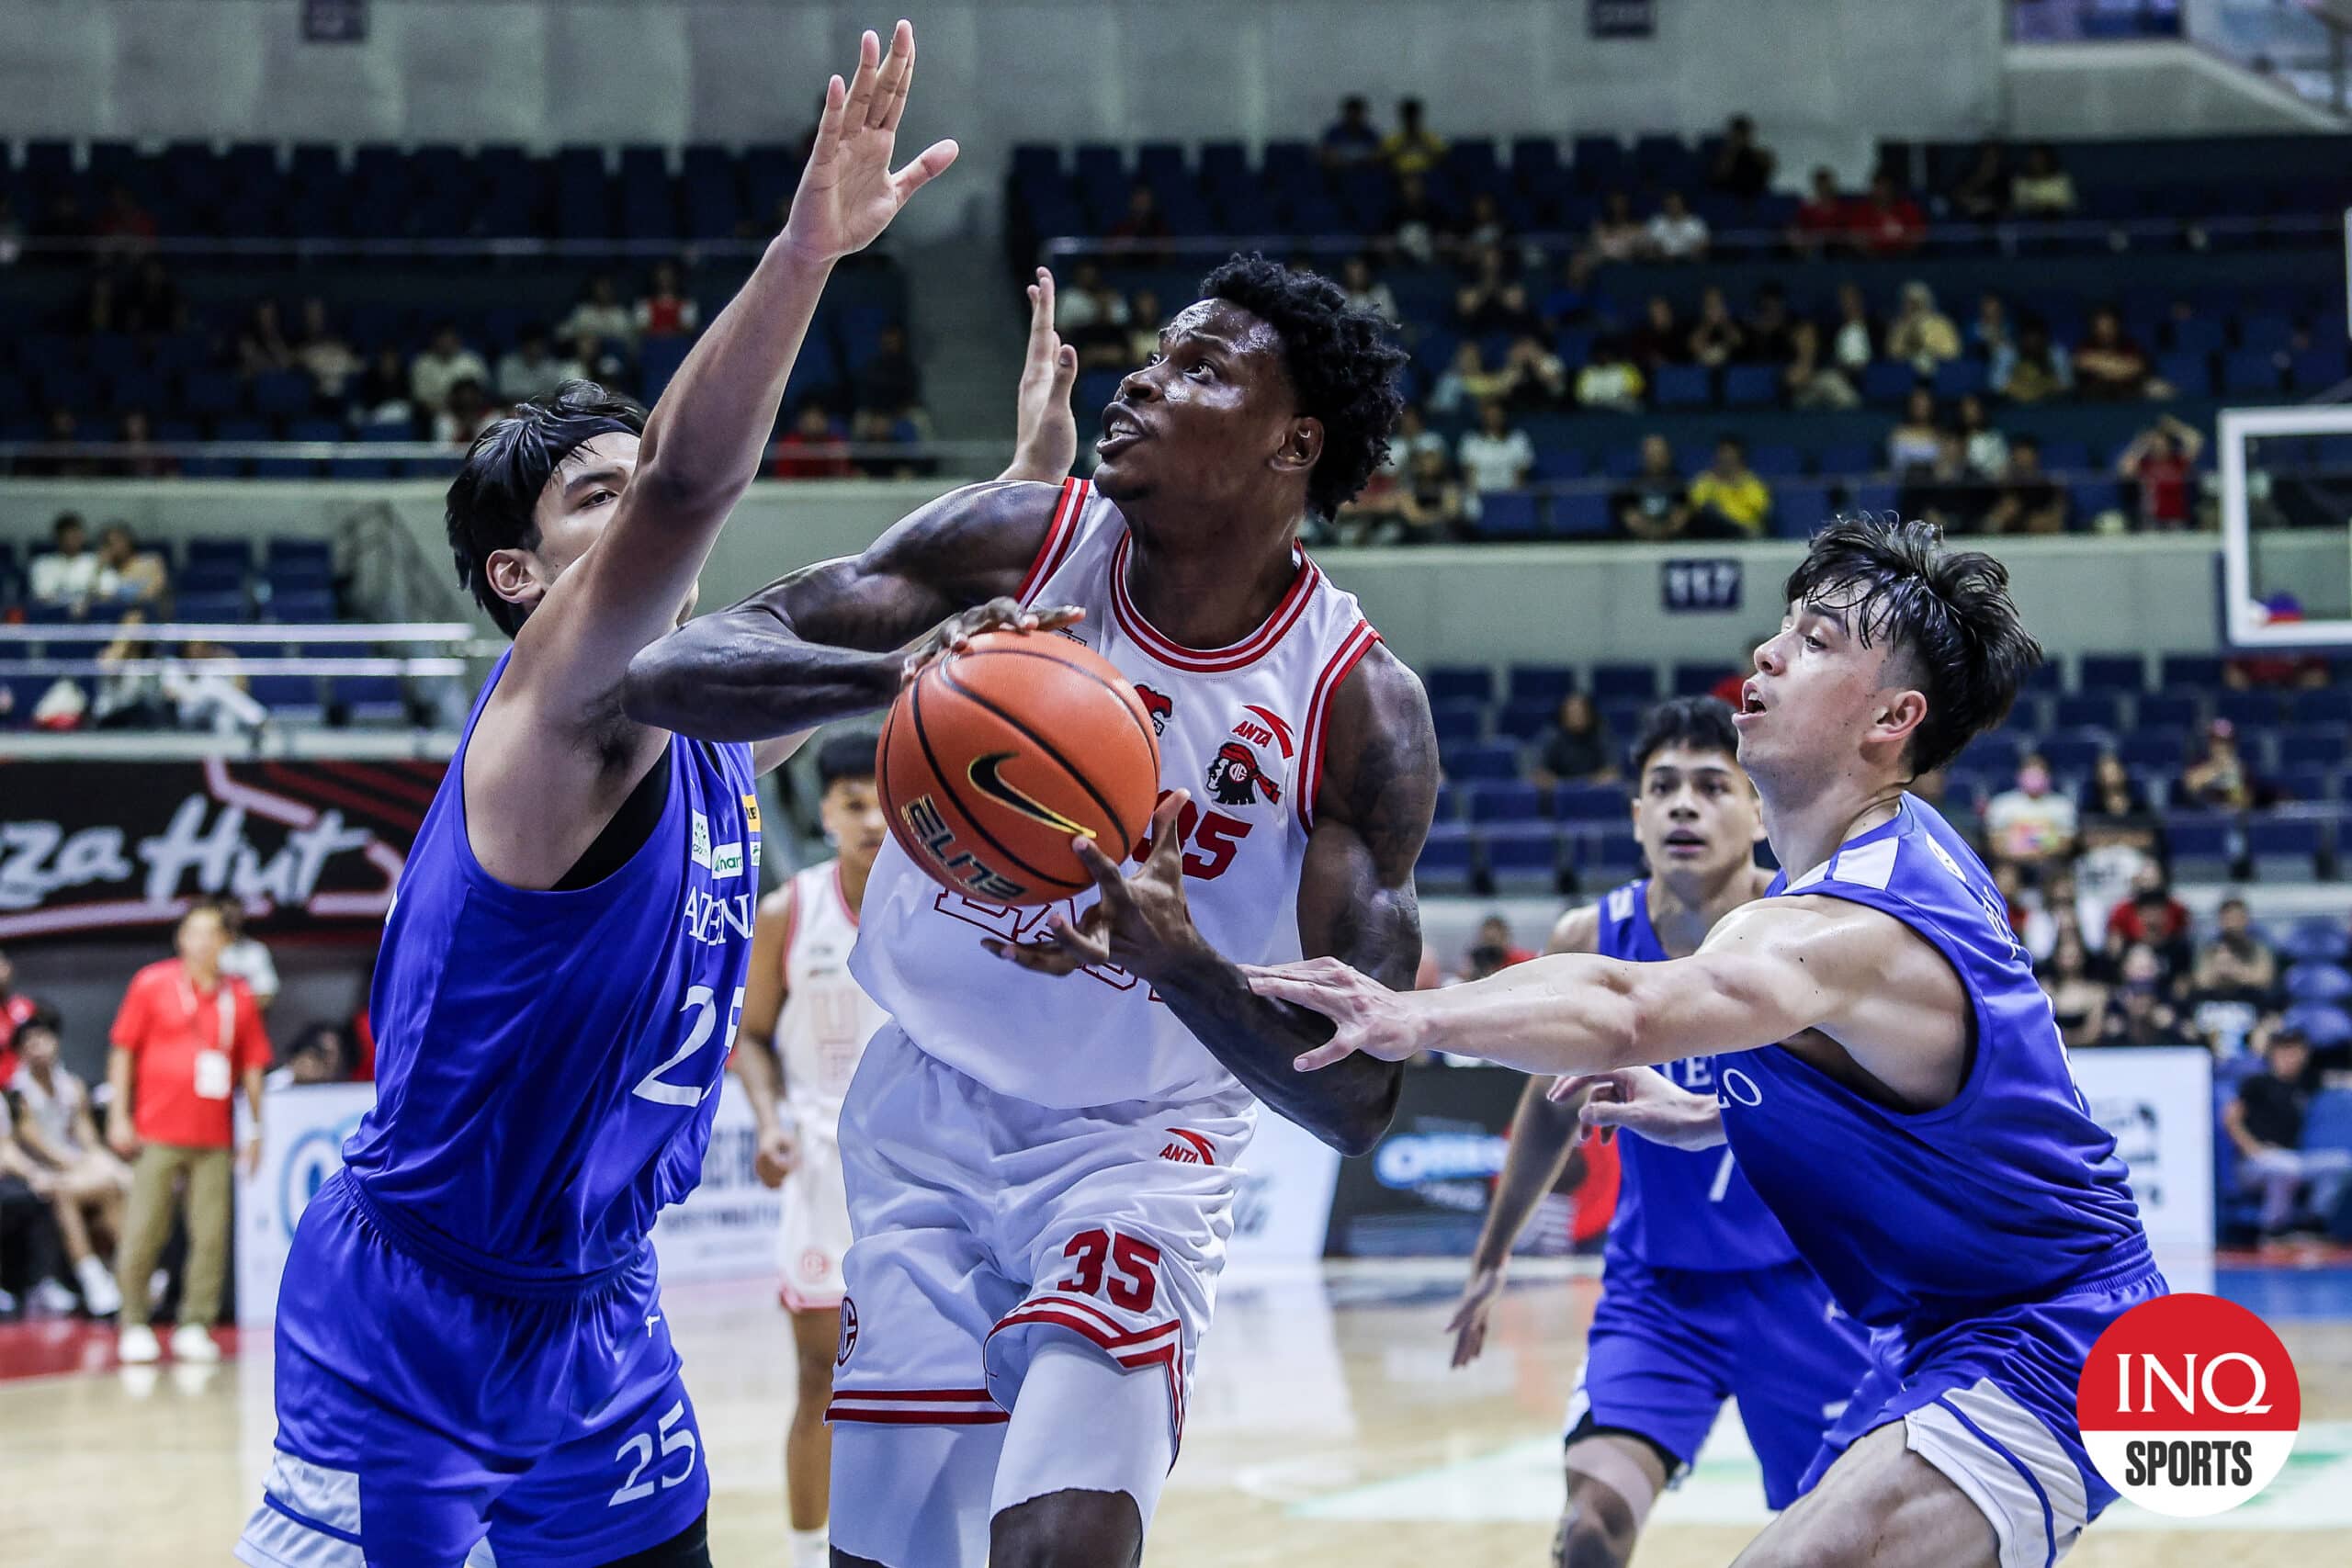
(995, 758)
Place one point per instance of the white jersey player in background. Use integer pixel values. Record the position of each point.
(1040, 1149)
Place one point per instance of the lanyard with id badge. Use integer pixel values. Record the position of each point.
(213, 1077)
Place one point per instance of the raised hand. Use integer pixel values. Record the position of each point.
(1045, 445)
(1468, 1325)
(1002, 614)
(848, 194)
(1644, 1101)
(1369, 1017)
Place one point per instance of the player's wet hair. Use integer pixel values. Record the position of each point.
(1341, 365)
(843, 757)
(1693, 724)
(493, 502)
(1947, 613)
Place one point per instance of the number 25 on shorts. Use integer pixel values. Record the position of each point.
(1134, 1284)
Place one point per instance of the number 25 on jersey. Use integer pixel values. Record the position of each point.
(703, 1003)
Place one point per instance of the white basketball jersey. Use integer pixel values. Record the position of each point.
(1241, 728)
(827, 1018)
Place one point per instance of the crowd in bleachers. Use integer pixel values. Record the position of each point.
(1969, 350)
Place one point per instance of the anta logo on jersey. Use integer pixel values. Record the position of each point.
(1161, 708)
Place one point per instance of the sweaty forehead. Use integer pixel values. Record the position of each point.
(1228, 323)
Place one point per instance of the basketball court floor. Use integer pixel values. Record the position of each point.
(1326, 1430)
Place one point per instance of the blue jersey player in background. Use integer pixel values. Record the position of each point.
(471, 1361)
(1702, 1295)
(1888, 1073)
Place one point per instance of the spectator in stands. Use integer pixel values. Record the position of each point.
(2277, 671)
(1434, 507)
(129, 577)
(1985, 449)
(2030, 917)
(1727, 500)
(1824, 219)
(1574, 747)
(1853, 340)
(1492, 300)
(66, 576)
(666, 310)
(1142, 223)
(878, 431)
(1809, 383)
(1468, 380)
(437, 371)
(1742, 166)
(592, 360)
(1352, 141)
(1572, 300)
(2077, 997)
(891, 382)
(1365, 291)
(1988, 333)
(2109, 366)
(1981, 192)
(2153, 918)
(2114, 795)
(186, 1036)
(1484, 225)
(381, 395)
(2162, 460)
(1412, 437)
(1412, 148)
(1496, 456)
(1676, 233)
(1417, 224)
(204, 698)
(1611, 380)
(1492, 949)
(1616, 234)
(2236, 963)
(1660, 339)
(62, 430)
(2042, 189)
(811, 450)
(2033, 823)
(2034, 370)
(1916, 439)
(16, 1008)
(322, 352)
(263, 347)
(1092, 318)
(1920, 334)
(1144, 320)
(1767, 334)
(129, 699)
(138, 460)
(321, 1054)
(468, 414)
(86, 1182)
(2219, 776)
(2137, 1011)
(529, 369)
(150, 305)
(600, 315)
(2266, 1122)
(1889, 223)
(1655, 504)
(1715, 338)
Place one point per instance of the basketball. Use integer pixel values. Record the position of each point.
(996, 757)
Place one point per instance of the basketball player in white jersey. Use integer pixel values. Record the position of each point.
(1040, 1148)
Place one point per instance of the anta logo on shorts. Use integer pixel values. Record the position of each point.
(1235, 776)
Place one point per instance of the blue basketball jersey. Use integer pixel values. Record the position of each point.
(2010, 1193)
(1680, 1208)
(547, 1064)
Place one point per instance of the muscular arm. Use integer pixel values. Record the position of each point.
(824, 642)
(1356, 902)
(1542, 1131)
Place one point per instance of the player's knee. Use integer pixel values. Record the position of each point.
(1597, 1527)
(1069, 1530)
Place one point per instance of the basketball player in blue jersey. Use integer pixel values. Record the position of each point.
(1702, 1296)
(1900, 1100)
(471, 1361)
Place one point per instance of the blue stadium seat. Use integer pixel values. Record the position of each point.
(2198, 845)
(1508, 514)
(2177, 710)
(1509, 801)
(2092, 710)
(2163, 750)
(2190, 671)
(1885, 381)
(1481, 761)
(1612, 855)
(2316, 939)
(1543, 682)
(1580, 515)
(1448, 804)
(1461, 683)
(370, 699)
(2327, 1123)
(2314, 981)
(1448, 859)
(1698, 680)
(1458, 722)
(2072, 754)
(2288, 849)
(2248, 709)
(1753, 387)
(2249, 373)
(2311, 746)
(1522, 857)
(1525, 718)
(2321, 705)
(2191, 375)
(1589, 803)
(2324, 1025)
(1624, 683)
(2113, 671)
(1683, 387)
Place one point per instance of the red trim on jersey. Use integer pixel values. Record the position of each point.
(1133, 1351)
(1208, 1153)
(969, 1395)
(934, 1406)
(1343, 659)
(919, 1417)
(841, 893)
(1211, 661)
(1059, 538)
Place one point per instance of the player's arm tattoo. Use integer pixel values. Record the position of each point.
(824, 642)
(1356, 902)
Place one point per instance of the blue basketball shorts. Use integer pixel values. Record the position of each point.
(424, 1422)
(1668, 1345)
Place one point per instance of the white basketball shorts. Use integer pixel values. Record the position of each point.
(813, 1241)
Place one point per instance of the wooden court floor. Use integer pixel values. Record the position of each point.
(1327, 1428)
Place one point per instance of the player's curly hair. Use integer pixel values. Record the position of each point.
(1948, 612)
(492, 503)
(1341, 365)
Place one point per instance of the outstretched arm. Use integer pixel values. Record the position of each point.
(1770, 971)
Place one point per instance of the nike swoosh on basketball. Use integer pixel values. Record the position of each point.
(989, 782)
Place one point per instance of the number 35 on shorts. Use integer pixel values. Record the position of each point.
(1129, 1267)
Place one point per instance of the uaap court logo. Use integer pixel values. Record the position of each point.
(2188, 1406)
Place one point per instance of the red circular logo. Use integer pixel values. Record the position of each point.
(2188, 1405)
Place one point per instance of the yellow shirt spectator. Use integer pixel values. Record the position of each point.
(1739, 499)
(1412, 148)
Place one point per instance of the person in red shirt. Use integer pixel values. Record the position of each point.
(2154, 918)
(1824, 219)
(665, 313)
(16, 1008)
(1890, 223)
(810, 450)
(185, 1036)
(2162, 460)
